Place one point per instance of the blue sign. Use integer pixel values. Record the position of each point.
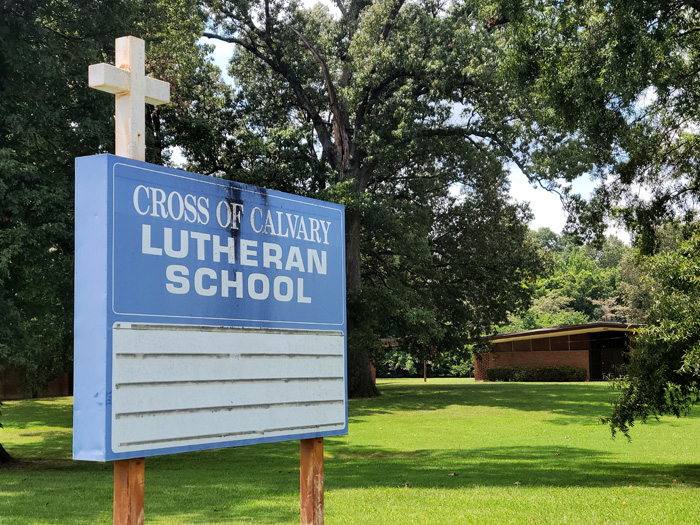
(208, 313)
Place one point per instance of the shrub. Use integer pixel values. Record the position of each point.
(559, 374)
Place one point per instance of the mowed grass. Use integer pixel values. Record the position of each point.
(443, 452)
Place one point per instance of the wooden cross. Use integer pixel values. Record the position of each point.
(128, 81)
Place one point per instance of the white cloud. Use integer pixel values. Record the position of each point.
(547, 207)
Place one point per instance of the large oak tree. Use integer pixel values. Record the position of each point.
(387, 106)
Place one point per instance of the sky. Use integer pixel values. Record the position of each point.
(546, 206)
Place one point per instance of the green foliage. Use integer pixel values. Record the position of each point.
(398, 363)
(43, 94)
(584, 284)
(615, 83)
(559, 374)
(663, 376)
(49, 116)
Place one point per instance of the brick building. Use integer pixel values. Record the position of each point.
(597, 347)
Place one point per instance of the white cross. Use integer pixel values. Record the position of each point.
(133, 89)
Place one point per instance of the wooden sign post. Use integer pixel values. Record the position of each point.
(311, 481)
(127, 80)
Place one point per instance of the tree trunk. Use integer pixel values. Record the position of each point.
(360, 383)
(5, 456)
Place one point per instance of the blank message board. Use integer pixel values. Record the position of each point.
(174, 386)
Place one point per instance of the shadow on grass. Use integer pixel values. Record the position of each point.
(501, 467)
(260, 484)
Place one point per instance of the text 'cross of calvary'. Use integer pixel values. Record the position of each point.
(133, 89)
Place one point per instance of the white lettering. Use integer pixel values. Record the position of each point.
(294, 259)
(279, 226)
(190, 208)
(136, 199)
(252, 220)
(269, 258)
(230, 249)
(315, 226)
(258, 278)
(300, 292)
(168, 244)
(158, 200)
(177, 275)
(237, 283)
(201, 238)
(199, 282)
(237, 210)
(248, 253)
(326, 226)
(180, 205)
(268, 224)
(312, 260)
(146, 247)
(302, 227)
(203, 207)
(229, 215)
(277, 289)
(292, 226)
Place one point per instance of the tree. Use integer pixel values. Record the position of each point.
(584, 283)
(49, 116)
(663, 376)
(384, 108)
(617, 82)
(4, 455)
(44, 94)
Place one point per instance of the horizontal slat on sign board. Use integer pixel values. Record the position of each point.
(178, 387)
(245, 341)
(130, 370)
(193, 395)
(177, 429)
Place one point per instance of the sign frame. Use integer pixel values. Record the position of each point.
(98, 292)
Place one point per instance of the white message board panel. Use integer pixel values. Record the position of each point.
(185, 385)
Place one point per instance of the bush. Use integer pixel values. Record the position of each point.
(397, 363)
(558, 374)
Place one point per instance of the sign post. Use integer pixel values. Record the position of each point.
(208, 313)
(311, 481)
(127, 80)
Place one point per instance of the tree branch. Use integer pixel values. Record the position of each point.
(285, 71)
(340, 116)
(341, 7)
(390, 19)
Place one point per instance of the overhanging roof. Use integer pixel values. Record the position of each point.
(558, 331)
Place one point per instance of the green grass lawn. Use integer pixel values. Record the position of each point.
(449, 451)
